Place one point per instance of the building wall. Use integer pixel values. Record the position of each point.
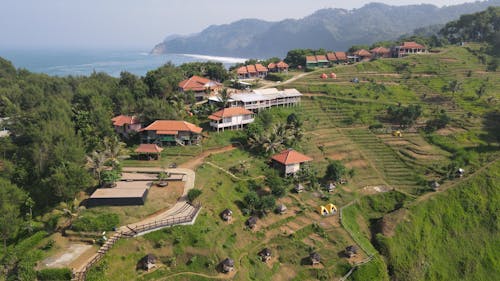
(292, 168)
(233, 121)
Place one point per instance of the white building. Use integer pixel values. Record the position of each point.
(262, 99)
(232, 118)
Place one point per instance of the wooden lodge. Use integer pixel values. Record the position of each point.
(171, 132)
(265, 254)
(315, 258)
(227, 265)
(288, 161)
(231, 118)
(201, 87)
(252, 71)
(226, 215)
(147, 262)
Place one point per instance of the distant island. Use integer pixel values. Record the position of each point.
(335, 29)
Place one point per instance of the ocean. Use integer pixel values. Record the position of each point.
(74, 62)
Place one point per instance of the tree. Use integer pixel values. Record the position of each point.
(335, 170)
(267, 203)
(193, 194)
(224, 97)
(12, 199)
(405, 116)
(251, 201)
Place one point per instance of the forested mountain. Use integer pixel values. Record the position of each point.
(336, 29)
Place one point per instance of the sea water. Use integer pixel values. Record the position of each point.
(64, 62)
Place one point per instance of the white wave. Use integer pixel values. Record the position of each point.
(215, 58)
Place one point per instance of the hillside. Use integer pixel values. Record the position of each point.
(335, 29)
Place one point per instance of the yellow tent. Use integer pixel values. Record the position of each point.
(322, 210)
(397, 133)
(331, 209)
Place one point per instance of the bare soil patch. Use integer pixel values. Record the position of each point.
(338, 156)
(375, 189)
(356, 164)
(66, 257)
(449, 131)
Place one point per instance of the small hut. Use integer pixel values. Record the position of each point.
(149, 151)
(265, 254)
(333, 75)
(351, 251)
(460, 172)
(435, 185)
(299, 188)
(323, 76)
(147, 262)
(281, 209)
(227, 265)
(315, 258)
(330, 187)
(226, 215)
(251, 222)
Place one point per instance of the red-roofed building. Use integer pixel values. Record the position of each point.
(171, 132)
(201, 86)
(278, 67)
(341, 57)
(289, 161)
(252, 71)
(311, 62)
(408, 48)
(322, 60)
(150, 150)
(232, 118)
(363, 55)
(124, 124)
(380, 52)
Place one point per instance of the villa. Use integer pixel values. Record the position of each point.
(231, 118)
(200, 86)
(252, 71)
(124, 124)
(363, 55)
(257, 100)
(171, 132)
(408, 48)
(380, 52)
(278, 67)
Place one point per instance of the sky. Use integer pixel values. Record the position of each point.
(143, 23)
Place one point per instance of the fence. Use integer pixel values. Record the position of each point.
(138, 229)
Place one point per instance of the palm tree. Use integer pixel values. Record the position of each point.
(96, 163)
(224, 97)
(113, 150)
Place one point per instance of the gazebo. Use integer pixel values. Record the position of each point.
(299, 188)
(147, 262)
(227, 265)
(227, 215)
(251, 222)
(150, 151)
(351, 251)
(281, 209)
(265, 254)
(315, 258)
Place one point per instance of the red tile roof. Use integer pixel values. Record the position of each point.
(341, 55)
(242, 70)
(321, 58)
(172, 125)
(197, 83)
(251, 68)
(229, 112)
(311, 59)
(331, 57)
(260, 68)
(282, 64)
(362, 53)
(121, 120)
(271, 65)
(290, 156)
(148, 148)
(412, 45)
(380, 50)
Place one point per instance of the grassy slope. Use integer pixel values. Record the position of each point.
(453, 236)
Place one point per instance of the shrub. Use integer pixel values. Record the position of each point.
(54, 274)
(96, 223)
(193, 194)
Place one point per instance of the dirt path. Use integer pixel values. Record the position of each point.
(198, 160)
(220, 276)
(285, 82)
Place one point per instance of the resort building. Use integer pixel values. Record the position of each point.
(316, 61)
(278, 67)
(200, 86)
(257, 100)
(363, 55)
(408, 48)
(124, 124)
(231, 118)
(288, 161)
(252, 71)
(149, 151)
(380, 52)
(171, 132)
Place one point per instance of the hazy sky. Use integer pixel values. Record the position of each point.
(143, 23)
